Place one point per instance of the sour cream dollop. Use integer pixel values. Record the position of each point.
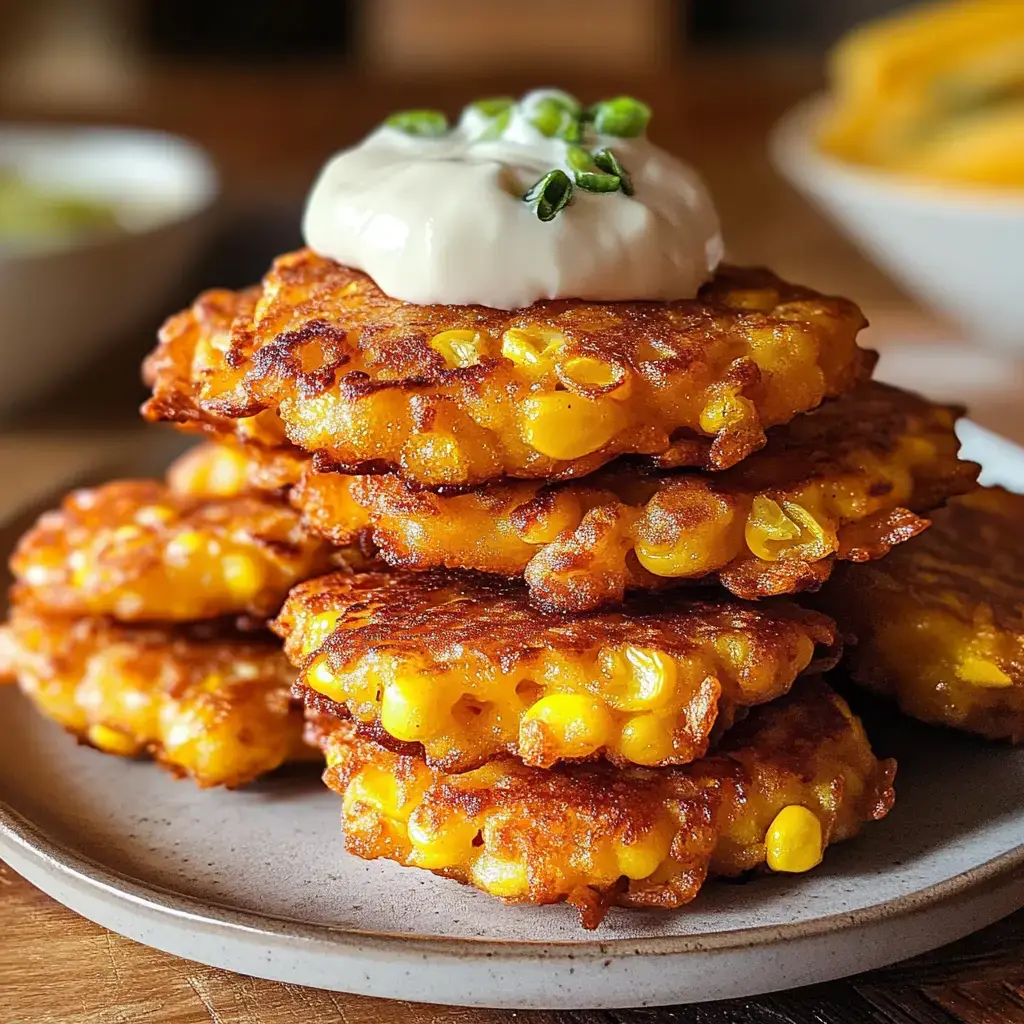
(441, 219)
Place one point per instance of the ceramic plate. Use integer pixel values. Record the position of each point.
(256, 881)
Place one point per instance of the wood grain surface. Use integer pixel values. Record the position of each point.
(269, 134)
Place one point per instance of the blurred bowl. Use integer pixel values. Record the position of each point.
(958, 250)
(62, 303)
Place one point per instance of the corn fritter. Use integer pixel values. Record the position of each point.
(207, 702)
(939, 624)
(471, 670)
(794, 777)
(458, 395)
(138, 551)
(844, 482)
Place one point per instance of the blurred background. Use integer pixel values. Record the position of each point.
(267, 89)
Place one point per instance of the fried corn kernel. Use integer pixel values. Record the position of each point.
(795, 841)
(598, 835)
(845, 482)
(410, 711)
(105, 552)
(940, 623)
(320, 353)
(113, 741)
(575, 724)
(462, 348)
(211, 471)
(471, 669)
(211, 704)
(440, 848)
(532, 348)
(646, 679)
(567, 426)
(596, 376)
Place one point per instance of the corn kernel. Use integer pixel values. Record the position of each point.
(587, 372)
(445, 847)
(688, 530)
(378, 789)
(575, 724)
(646, 739)
(320, 677)
(410, 709)
(243, 576)
(154, 515)
(184, 546)
(212, 682)
(794, 841)
(727, 411)
(562, 425)
(982, 672)
(640, 679)
(506, 879)
(532, 348)
(564, 514)
(642, 858)
(113, 741)
(784, 529)
(462, 348)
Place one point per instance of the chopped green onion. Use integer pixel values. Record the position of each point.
(591, 182)
(497, 113)
(587, 174)
(493, 106)
(622, 116)
(550, 194)
(579, 159)
(555, 117)
(608, 162)
(498, 126)
(427, 123)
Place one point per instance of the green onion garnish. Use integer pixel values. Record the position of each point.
(622, 116)
(550, 194)
(587, 174)
(497, 111)
(555, 117)
(608, 162)
(493, 106)
(426, 123)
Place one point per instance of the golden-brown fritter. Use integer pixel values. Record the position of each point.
(138, 551)
(458, 395)
(223, 469)
(192, 347)
(206, 701)
(331, 511)
(797, 775)
(846, 481)
(940, 623)
(470, 669)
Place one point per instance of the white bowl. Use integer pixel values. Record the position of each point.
(959, 250)
(61, 304)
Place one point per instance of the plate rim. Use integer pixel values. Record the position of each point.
(18, 831)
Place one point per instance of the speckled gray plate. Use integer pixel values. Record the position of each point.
(257, 882)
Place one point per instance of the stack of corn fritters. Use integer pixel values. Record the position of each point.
(536, 572)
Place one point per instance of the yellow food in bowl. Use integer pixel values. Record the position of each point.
(936, 92)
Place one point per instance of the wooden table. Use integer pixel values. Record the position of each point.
(269, 134)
